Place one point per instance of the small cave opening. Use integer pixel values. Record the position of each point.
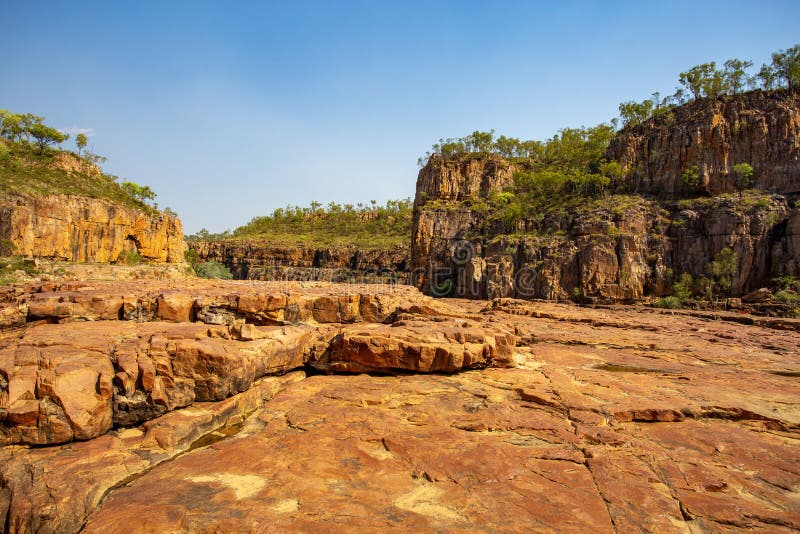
(131, 244)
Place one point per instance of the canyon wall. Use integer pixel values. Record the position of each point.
(83, 229)
(761, 128)
(625, 246)
(252, 259)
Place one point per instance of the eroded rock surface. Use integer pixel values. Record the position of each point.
(638, 240)
(76, 228)
(597, 420)
(761, 128)
(254, 259)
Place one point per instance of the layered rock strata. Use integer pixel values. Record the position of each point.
(625, 250)
(252, 259)
(86, 229)
(627, 246)
(133, 352)
(599, 419)
(761, 128)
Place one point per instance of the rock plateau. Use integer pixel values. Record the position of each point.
(250, 406)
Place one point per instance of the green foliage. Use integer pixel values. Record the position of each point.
(213, 269)
(704, 80)
(786, 296)
(707, 81)
(12, 266)
(45, 136)
(787, 282)
(335, 224)
(736, 76)
(569, 167)
(483, 143)
(191, 256)
(670, 303)
(141, 193)
(788, 293)
(722, 270)
(131, 257)
(690, 179)
(783, 71)
(682, 289)
(633, 113)
(744, 177)
(576, 295)
(206, 269)
(29, 167)
(81, 141)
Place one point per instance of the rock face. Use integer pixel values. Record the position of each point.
(607, 254)
(88, 230)
(602, 420)
(761, 128)
(462, 179)
(627, 246)
(250, 259)
(134, 351)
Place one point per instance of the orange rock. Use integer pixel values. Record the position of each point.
(610, 420)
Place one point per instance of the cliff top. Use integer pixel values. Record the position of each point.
(27, 172)
(334, 225)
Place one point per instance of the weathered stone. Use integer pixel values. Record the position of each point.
(420, 345)
(624, 248)
(761, 128)
(254, 259)
(759, 295)
(610, 419)
(88, 229)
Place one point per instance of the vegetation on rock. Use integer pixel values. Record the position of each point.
(367, 226)
(707, 81)
(207, 269)
(30, 166)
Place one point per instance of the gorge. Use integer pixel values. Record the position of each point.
(495, 371)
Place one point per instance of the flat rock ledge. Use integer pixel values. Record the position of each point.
(165, 406)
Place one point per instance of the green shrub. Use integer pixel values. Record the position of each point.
(11, 264)
(576, 295)
(786, 296)
(682, 289)
(131, 257)
(213, 269)
(192, 257)
(670, 303)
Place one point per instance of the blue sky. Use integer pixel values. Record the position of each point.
(231, 109)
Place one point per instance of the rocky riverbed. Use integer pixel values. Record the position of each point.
(145, 406)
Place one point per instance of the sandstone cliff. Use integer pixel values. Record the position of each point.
(85, 229)
(461, 179)
(626, 246)
(259, 260)
(761, 128)
(618, 254)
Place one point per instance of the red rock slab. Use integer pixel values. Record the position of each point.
(213, 302)
(438, 344)
(53, 489)
(76, 382)
(374, 454)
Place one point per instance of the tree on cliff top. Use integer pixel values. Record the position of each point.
(142, 193)
(46, 135)
(707, 81)
(81, 141)
(784, 69)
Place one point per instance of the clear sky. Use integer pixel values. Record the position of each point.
(231, 109)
